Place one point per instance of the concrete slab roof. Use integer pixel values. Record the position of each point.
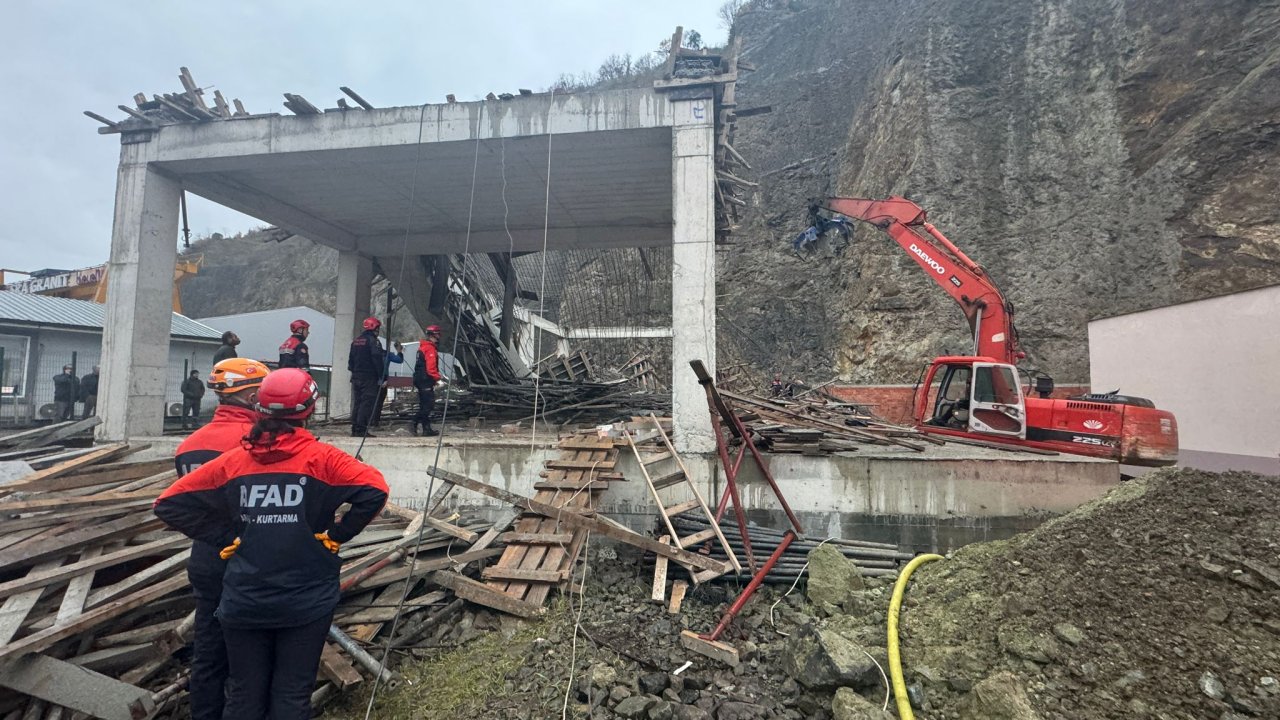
(345, 178)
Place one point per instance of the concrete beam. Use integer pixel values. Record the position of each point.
(618, 333)
(693, 276)
(135, 343)
(523, 239)
(77, 688)
(355, 281)
(268, 209)
(520, 117)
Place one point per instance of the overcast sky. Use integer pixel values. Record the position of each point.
(59, 58)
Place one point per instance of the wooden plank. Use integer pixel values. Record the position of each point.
(533, 538)
(479, 593)
(25, 554)
(659, 593)
(546, 576)
(14, 611)
(578, 520)
(139, 579)
(579, 464)
(45, 519)
(89, 620)
(451, 529)
(60, 432)
(64, 502)
(710, 648)
(335, 667)
(681, 507)
(678, 589)
(698, 537)
(576, 485)
(577, 442)
(77, 688)
(19, 438)
(77, 589)
(32, 481)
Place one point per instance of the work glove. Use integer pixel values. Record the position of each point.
(229, 550)
(330, 544)
(442, 383)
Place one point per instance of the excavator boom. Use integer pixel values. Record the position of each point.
(990, 316)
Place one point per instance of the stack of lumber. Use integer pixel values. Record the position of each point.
(95, 606)
(586, 403)
(817, 426)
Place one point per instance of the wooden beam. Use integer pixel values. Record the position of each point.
(710, 648)
(139, 579)
(678, 589)
(299, 105)
(77, 589)
(58, 547)
(89, 620)
(534, 538)
(78, 688)
(60, 573)
(337, 669)
(677, 39)
(659, 593)
(522, 575)
(109, 123)
(468, 589)
(572, 518)
(221, 104)
(31, 482)
(14, 611)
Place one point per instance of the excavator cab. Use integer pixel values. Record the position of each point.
(976, 396)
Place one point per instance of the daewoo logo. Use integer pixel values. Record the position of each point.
(1093, 424)
(928, 260)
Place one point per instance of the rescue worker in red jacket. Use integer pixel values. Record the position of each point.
(426, 376)
(235, 382)
(270, 505)
(293, 351)
(367, 363)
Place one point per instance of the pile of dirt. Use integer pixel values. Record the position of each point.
(1160, 600)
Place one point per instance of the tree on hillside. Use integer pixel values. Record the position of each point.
(729, 12)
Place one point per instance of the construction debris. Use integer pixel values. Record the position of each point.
(93, 588)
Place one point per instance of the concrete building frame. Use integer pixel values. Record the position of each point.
(627, 168)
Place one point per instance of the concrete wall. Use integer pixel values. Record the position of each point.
(1210, 362)
(936, 501)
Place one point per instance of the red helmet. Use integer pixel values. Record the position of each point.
(297, 325)
(371, 323)
(288, 394)
(432, 329)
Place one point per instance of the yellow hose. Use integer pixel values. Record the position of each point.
(895, 658)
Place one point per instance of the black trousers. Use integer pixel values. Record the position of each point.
(191, 405)
(364, 398)
(273, 671)
(208, 685)
(426, 401)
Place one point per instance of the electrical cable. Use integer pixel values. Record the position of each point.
(435, 463)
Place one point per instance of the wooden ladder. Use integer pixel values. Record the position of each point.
(679, 477)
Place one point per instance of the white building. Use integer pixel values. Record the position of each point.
(41, 334)
(1212, 364)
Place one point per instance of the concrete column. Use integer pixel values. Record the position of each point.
(135, 342)
(693, 275)
(355, 280)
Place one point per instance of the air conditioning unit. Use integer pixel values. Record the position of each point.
(175, 409)
(48, 411)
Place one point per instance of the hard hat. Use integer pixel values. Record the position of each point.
(297, 325)
(371, 323)
(235, 374)
(432, 329)
(288, 394)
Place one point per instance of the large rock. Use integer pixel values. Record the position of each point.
(849, 705)
(634, 707)
(733, 710)
(826, 658)
(833, 578)
(999, 697)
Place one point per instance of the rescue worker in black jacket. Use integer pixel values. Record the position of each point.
(294, 352)
(271, 505)
(367, 362)
(235, 382)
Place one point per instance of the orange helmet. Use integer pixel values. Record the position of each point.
(288, 394)
(235, 374)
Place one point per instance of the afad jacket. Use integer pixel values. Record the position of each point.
(426, 371)
(276, 495)
(224, 432)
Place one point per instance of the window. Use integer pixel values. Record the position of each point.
(13, 378)
(996, 385)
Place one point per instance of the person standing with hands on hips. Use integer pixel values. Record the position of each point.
(294, 352)
(270, 505)
(426, 378)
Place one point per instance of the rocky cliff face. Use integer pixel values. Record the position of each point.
(1096, 156)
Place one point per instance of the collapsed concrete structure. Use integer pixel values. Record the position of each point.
(629, 168)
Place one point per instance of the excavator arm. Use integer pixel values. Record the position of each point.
(990, 316)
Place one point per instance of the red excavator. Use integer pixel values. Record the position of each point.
(980, 396)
